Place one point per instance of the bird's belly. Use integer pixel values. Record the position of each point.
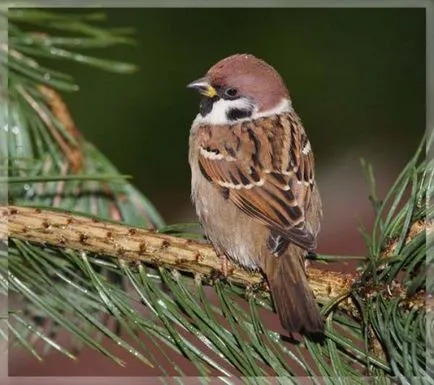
(231, 232)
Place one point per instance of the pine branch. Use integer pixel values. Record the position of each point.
(66, 230)
(74, 273)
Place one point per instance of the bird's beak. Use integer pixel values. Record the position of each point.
(203, 86)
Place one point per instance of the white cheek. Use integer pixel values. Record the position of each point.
(285, 105)
(219, 110)
(221, 107)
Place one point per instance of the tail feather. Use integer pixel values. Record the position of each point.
(293, 298)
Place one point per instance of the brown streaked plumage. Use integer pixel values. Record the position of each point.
(253, 182)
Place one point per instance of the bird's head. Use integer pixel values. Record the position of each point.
(240, 87)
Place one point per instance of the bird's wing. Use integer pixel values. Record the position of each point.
(266, 168)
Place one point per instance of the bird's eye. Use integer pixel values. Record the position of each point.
(231, 92)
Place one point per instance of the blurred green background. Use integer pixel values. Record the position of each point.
(356, 76)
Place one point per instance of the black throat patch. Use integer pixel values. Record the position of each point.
(206, 104)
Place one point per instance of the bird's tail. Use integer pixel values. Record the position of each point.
(292, 296)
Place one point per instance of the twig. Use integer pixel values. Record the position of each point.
(72, 153)
(61, 112)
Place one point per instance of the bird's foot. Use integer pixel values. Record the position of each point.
(224, 272)
(257, 288)
(217, 275)
(224, 265)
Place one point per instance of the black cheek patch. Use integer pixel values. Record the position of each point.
(235, 113)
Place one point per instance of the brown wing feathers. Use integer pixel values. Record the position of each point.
(267, 166)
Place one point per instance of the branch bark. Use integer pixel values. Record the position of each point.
(65, 230)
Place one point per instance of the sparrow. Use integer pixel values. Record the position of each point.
(253, 182)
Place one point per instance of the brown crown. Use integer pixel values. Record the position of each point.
(252, 77)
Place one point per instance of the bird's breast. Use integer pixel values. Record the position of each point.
(231, 232)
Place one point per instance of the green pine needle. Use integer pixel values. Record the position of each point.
(219, 329)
